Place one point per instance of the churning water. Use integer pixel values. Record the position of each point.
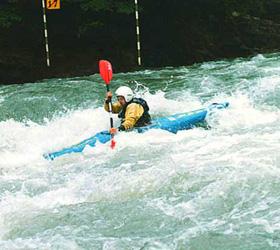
(198, 189)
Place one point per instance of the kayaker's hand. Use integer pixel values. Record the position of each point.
(121, 128)
(113, 131)
(108, 97)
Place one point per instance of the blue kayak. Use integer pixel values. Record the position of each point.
(172, 123)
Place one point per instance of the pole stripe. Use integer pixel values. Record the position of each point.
(46, 33)
(137, 33)
(139, 60)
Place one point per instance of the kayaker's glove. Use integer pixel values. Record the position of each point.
(121, 128)
(108, 97)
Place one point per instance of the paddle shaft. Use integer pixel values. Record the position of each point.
(110, 108)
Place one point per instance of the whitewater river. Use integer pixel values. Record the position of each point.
(198, 189)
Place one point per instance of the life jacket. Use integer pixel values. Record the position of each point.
(145, 119)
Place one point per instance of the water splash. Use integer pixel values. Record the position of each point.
(207, 189)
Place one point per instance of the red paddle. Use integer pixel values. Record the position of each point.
(106, 72)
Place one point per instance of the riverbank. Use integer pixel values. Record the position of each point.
(164, 43)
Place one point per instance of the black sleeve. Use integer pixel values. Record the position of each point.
(121, 128)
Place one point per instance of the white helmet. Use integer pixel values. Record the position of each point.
(126, 92)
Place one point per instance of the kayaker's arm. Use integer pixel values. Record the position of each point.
(116, 107)
(132, 114)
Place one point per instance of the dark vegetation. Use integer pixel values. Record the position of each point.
(173, 33)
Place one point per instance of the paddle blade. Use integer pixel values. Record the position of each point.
(106, 71)
(113, 144)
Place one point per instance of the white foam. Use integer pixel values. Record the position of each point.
(23, 143)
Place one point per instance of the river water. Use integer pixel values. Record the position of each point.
(197, 189)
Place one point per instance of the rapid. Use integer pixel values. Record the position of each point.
(203, 188)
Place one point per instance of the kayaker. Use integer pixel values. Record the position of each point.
(133, 112)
